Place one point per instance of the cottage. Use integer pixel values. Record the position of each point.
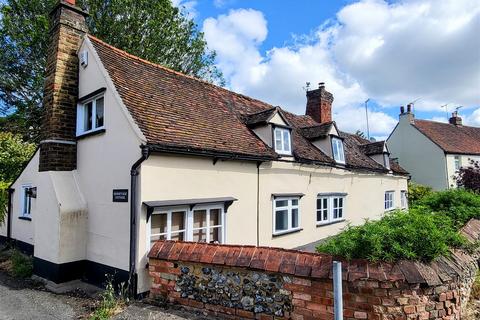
(433, 152)
(134, 152)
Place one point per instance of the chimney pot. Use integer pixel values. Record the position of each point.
(455, 119)
(409, 108)
(402, 109)
(319, 104)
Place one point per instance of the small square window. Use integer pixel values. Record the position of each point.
(91, 115)
(282, 141)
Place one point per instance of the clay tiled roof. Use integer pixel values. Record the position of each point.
(317, 131)
(373, 147)
(451, 138)
(179, 113)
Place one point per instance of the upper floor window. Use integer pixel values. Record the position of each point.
(330, 208)
(457, 163)
(286, 215)
(91, 115)
(282, 141)
(26, 201)
(389, 200)
(403, 199)
(337, 149)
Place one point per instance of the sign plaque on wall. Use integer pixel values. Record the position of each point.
(120, 195)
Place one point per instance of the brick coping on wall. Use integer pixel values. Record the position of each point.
(319, 266)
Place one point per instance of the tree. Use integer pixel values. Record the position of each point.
(469, 177)
(151, 29)
(14, 155)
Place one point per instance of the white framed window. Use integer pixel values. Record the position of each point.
(457, 163)
(330, 208)
(286, 215)
(386, 160)
(337, 150)
(26, 201)
(91, 115)
(204, 223)
(403, 199)
(389, 200)
(282, 141)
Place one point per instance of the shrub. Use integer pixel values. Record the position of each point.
(412, 235)
(469, 177)
(22, 265)
(417, 192)
(459, 204)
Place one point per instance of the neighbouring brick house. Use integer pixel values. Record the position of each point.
(133, 153)
(431, 151)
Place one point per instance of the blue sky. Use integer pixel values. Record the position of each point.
(391, 52)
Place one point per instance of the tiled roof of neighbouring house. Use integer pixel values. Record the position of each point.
(180, 113)
(451, 138)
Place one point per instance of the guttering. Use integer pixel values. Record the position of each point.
(208, 153)
(133, 219)
(9, 214)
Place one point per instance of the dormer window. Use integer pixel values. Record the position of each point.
(337, 150)
(282, 141)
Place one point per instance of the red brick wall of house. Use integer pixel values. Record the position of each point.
(263, 283)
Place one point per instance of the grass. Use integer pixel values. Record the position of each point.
(22, 265)
(111, 303)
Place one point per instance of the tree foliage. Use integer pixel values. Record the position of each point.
(152, 29)
(469, 177)
(417, 192)
(14, 155)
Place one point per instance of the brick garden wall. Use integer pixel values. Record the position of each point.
(262, 283)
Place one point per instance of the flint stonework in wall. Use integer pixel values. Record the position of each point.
(262, 283)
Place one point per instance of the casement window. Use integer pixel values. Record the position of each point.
(386, 160)
(330, 208)
(286, 215)
(90, 115)
(457, 163)
(200, 224)
(282, 141)
(389, 200)
(337, 150)
(403, 199)
(26, 201)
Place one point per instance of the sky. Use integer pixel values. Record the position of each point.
(391, 52)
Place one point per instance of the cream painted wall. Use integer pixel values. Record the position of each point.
(464, 161)
(365, 198)
(103, 164)
(165, 177)
(417, 154)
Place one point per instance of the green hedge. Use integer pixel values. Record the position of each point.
(423, 233)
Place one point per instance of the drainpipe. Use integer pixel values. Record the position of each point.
(9, 214)
(133, 219)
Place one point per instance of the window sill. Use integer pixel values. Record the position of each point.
(390, 210)
(91, 133)
(322, 224)
(282, 233)
(25, 218)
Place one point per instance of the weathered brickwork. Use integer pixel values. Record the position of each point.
(404, 290)
(319, 104)
(61, 88)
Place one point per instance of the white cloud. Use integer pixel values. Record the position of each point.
(392, 53)
(473, 119)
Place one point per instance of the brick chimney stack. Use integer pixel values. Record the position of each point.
(319, 104)
(58, 148)
(455, 119)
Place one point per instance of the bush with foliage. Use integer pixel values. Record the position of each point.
(14, 154)
(459, 204)
(469, 177)
(417, 192)
(22, 265)
(411, 235)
